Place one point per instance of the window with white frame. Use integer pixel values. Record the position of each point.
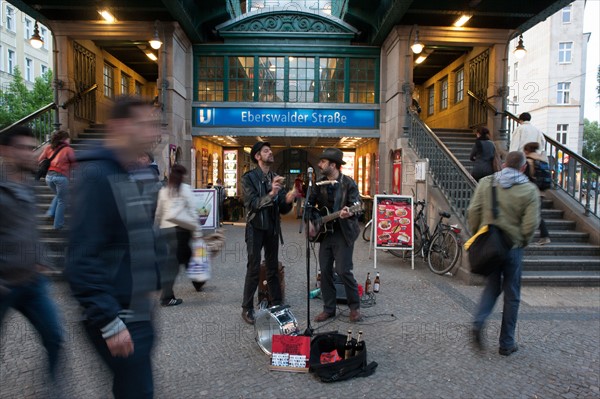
(109, 81)
(561, 133)
(562, 92)
(1, 58)
(125, 81)
(431, 100)
(459, 85)
(10, 18)
(10, 67)
(44, 35)
(44, 69)
(566, 14)
(516, 72)
(564, 52)
(444, 94)
(28, 69)
(28, 28)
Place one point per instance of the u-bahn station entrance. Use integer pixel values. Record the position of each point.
(370, 77)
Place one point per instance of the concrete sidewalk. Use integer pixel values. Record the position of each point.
(418, 332)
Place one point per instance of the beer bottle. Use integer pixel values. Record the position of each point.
(376, 284)
(360, 344)
(368, 284)
(348, 347)
(319, 278)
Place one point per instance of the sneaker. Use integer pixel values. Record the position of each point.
(248, 316)
(544, 241)
(171, 302)
(508, 352)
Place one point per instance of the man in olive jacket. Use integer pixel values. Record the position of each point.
(264, 202)
(518, 217)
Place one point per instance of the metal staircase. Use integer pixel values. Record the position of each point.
(569, 259)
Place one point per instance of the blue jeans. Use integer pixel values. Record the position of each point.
(33, 301)
(132, 375)
(508, 280)
(59, 184)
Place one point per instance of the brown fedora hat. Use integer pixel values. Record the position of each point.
(256, 149)
(334, 155)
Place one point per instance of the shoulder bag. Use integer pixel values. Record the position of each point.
(178, 213)
(44, 164)
(488, 248)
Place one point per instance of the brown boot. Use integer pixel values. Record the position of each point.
(355, 315)
(323, 316)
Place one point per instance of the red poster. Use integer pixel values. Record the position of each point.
(393, 221)
(291, 344)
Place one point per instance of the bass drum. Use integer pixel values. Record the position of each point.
(277, 320)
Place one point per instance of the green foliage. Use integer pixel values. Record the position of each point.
(17, 101)
(591, 141)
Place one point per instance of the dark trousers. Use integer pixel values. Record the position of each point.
(176, 250)
(132, 375)
(256, 240)
(334, 251)
(543, 229)
(33, 301)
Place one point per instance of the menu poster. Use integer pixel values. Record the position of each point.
(204, 166)
(230, 172)
(393, 221)
(205, 202)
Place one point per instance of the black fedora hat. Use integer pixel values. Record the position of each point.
(256, 149)
(334, 155)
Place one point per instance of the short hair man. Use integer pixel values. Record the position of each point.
(526, 133)
(264, 202)
(112, 265)
(337, 247)
(22, 287)
(518, 217)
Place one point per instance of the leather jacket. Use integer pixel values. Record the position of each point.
(259, 205)
(349, 197)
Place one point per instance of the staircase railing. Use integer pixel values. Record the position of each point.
(575, 175)
(79, 96)
(511, 120)
(447, 172)
(40, 121)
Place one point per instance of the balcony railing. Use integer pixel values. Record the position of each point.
(575, 175)
(447, 172)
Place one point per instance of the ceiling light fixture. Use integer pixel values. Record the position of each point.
(36, 40)
(520, 51)
(417, 46)
(108, 17)
(155, 43)
(421, 58)
(463, 19)
(151, 55)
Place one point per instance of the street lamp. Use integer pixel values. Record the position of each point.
(36, 40)
(520, 51)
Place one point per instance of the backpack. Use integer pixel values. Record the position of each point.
(356, 366)
(541, 174)
(44, 164)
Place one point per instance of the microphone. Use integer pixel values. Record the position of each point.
(324, 182)
(310, 175)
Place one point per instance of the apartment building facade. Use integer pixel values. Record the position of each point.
(549, 81)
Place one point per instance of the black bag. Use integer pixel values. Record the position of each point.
(541, 176)
(489, 250)
(356, 366)
(44, 164)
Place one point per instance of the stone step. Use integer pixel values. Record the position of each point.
(564, 236)
(561, 278)
(552, 214)
(555, 263)
(92, 133)
(560, 224)
(562, 250)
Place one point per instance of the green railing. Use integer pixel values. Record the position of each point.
(42, 122)
(511, 120)
(447, 172)
(575, 175)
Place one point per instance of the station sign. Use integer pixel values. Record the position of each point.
(284, 117)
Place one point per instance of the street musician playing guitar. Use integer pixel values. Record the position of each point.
(339, 194)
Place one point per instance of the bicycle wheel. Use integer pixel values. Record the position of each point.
(368, 231)
(443, 252)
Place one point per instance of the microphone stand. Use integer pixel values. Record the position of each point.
(309, 330)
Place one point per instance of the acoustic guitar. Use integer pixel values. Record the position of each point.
(323, 224)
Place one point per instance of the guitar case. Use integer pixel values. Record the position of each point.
(263, 289)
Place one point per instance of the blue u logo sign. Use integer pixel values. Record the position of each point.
(205, 116)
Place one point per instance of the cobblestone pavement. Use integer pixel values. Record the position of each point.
(418, 332)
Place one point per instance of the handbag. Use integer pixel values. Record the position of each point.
(199, 267)
(179, 214)
(488, 248)
(44, 164)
